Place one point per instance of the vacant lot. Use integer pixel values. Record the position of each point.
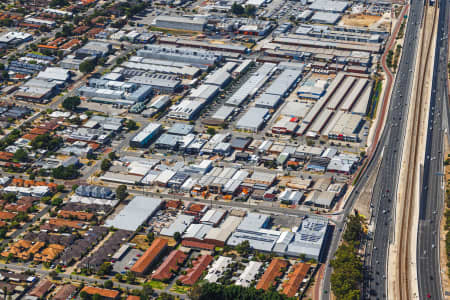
(360, 20)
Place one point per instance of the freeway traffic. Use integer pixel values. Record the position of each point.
(431, 200)
(391, 144)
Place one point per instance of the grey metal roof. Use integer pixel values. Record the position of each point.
(168, 140)
(262, 240)
(223, 113)
(284, 82)
(310, 237)
(155, 82)
(253, 118)
(197, 231)
(268, 100)
(135, 213)
(213, 216)
(251, 85)
(180, 129)
(187, 20)
(325, 17)
(219, 77)
(253, 222)
(150, 129)
(179, 225)
(328, 5)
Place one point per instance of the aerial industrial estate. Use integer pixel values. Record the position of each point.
(250, 149)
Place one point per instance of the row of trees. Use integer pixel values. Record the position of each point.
(239, 10)
(208, 291)
(69, 172)
(347, 266)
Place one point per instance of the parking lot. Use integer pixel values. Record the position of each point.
(128, 260)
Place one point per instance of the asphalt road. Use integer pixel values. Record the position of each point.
(87, 280)
(391, 144)
(387, 150)
(432, 195)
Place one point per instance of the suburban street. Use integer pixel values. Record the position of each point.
(88, 280)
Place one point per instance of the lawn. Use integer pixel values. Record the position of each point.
(158, 284)
(180, 289)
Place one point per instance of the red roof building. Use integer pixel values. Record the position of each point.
(273, 272)
(148, 258)
(198, 266)
(198, 245)
(296, 277)
(104, 293)
(170, 264)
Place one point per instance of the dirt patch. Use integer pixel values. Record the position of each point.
(445, 280)
(360, 20)
(141, 242)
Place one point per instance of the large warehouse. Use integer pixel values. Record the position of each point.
(253, 119)
(345, 94)
(180, 23)
(252, 85)
(329, 5)
(185, 55)
(143, 137)
(135, 213)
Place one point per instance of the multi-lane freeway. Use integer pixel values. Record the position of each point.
(431, 200)
(391, 145)
(389, 150)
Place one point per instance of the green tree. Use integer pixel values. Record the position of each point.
(244, 248)
(177, 236)
(21, 155)
(150, 236)
(87, 66)
(57, 201)
(53, 275)
(108, 284)
(71, 103)
(165, 296)
(250, 10)
(61, 172)
(58, 3)
(106, 164)
(237, 9)
(211, 131)
(354, 231)
(84, 295)
(130, 277)
(131, 125)
(121, 192)
(347, 273)
(60, 188)
(104, 269)
(112, 155)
